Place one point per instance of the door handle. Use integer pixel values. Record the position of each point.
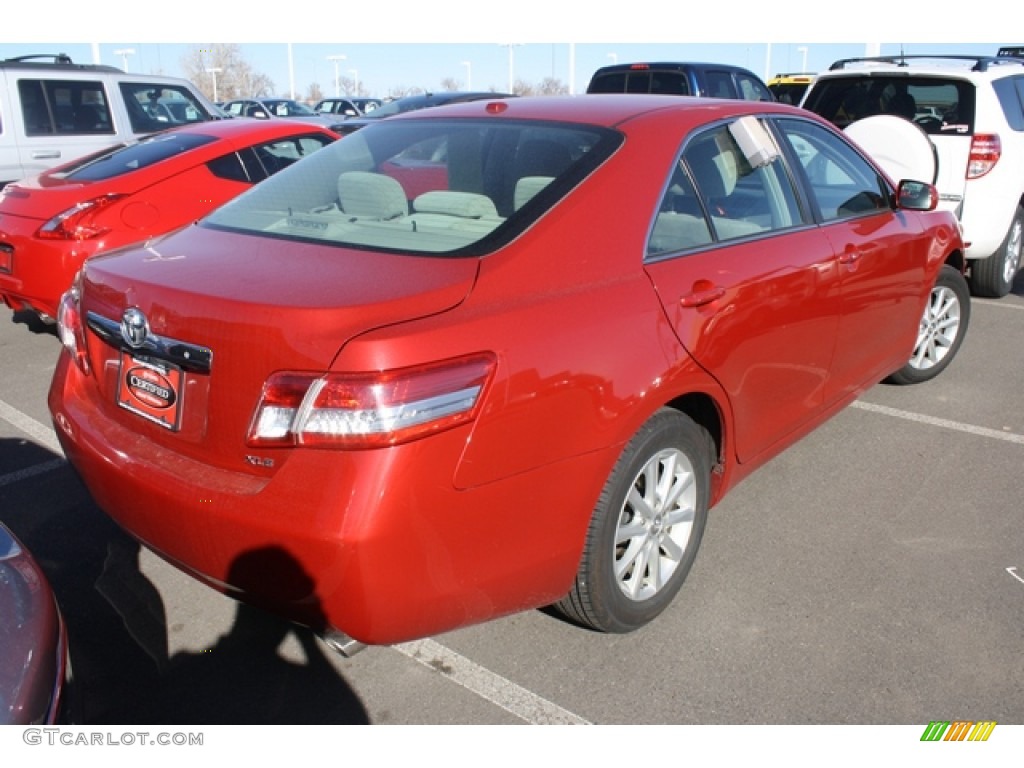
(703, 292)
(46, 154)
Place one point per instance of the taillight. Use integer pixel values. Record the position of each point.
(70, 329)
(369, 410)
(986, 148)
(79, 221)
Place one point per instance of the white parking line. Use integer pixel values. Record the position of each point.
(41, 433)
(513, 698)
(995, 434)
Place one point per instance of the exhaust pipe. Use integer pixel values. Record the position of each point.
(341, 643)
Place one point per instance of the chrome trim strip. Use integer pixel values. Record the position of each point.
(189, 357)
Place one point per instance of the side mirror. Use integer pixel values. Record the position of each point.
(917, 196)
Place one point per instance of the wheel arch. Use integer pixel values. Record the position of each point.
(707, 413)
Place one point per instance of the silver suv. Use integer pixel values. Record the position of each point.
(972, 109)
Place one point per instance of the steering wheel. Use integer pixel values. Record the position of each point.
(929, 124)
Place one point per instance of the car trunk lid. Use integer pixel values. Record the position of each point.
(252, 305)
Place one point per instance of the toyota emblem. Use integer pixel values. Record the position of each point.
(134, 327)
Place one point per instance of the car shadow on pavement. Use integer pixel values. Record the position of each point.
(33, 322)
(117, 627)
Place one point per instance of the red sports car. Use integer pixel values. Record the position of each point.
(51, 223)
(386, 415)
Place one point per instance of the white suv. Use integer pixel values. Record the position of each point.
(972, 109)
(53, 110)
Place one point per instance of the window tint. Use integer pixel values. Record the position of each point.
(230, 167)
(715, 194)
(64, 107)
(719, 84)
(154, 107)
(674, 83)
(135, 156)
(1010, 92)
(939, 105)
(751, 89)
(842, 182)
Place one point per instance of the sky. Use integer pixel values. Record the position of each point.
(481, 44)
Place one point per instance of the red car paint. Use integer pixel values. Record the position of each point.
(35, 269)
(579, 336)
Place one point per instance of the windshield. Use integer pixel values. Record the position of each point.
(423, 186)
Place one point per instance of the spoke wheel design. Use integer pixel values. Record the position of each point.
(940, 329)
(646, 527)
(655, 524)
(943, 325)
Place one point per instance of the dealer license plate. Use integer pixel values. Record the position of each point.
(150, 388)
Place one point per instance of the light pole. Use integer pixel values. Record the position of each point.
(803, 64)
(355, 77)
(213, 74)
(469, 75)
(511, 64)
(124, 53)
(336, 58)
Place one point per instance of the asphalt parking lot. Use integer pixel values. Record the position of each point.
(871, 574)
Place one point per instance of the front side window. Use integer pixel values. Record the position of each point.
(155, 107)
(842, 183)
(423, 186)
(64, 107)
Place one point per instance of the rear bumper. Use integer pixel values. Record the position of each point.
(376, 544)
(39, 271)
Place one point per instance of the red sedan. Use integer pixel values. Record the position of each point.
(51, 223)
(387, 413)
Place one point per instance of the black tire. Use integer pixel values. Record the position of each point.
(943, 326)
(630, 525)
(993, 277)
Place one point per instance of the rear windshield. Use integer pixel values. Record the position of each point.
(132, 157)
(423, 185)
(941, 106)
(673, 83)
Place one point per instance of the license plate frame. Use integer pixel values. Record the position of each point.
(151, 389)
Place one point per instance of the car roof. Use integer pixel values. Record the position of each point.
(605, 109)
(251, 128)
(945, 64)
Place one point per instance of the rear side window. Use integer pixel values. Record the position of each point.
(64, 107)
(941, 106)
(716, 195)
(136, 156)
(1010, 92)
(719, 84)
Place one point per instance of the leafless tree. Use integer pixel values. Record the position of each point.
(235, 77)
